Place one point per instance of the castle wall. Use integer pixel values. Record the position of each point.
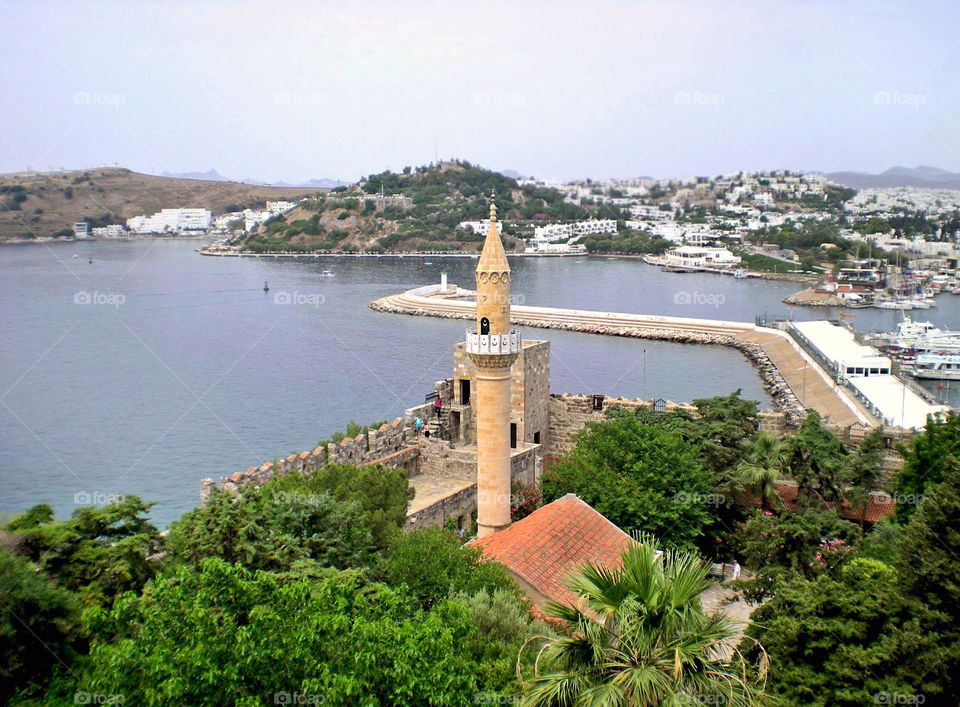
(569, 413)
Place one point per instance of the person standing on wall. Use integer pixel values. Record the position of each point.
(438, 405)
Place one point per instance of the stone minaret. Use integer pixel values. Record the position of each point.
(493, 347)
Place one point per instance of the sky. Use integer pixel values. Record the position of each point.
(285, 90)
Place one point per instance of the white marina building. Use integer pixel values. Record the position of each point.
(694, 256)
(867, 374)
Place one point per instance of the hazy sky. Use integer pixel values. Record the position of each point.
(294, 90)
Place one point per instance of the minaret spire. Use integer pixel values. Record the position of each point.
(493, 347)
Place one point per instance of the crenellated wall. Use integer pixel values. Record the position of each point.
(393, 445)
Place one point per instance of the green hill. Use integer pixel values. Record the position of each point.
(435, 200)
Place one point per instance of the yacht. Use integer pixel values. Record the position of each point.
(327, 273)
(937, 366)
(923, 337)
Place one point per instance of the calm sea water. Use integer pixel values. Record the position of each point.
(154, 367)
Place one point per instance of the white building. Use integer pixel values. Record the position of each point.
(692, 256)
(562, 231)
(867, 373)
(81, 229)
(172, 221)
(280, 207)
(112, 231)
(480, 227)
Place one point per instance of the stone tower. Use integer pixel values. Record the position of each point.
(493, 347)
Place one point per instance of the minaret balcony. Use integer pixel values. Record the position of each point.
(495, 344)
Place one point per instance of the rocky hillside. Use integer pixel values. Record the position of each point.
(48, 204)
(417, 210)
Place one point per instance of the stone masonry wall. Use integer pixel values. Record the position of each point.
(569, 413)
(393, 445)
(461, 505)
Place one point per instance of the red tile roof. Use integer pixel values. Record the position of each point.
(550, 543)
(881, 505)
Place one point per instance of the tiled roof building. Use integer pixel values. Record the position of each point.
(542, 549)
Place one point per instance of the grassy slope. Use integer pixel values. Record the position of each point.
(121, 194)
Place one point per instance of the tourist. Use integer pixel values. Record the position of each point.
(437, 405)
(418, 423)
(426, 434)
(735, 570)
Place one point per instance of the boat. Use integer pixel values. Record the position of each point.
(922, 337)
(327, 273)
(266, 286)
(937, 366)
(892, 304)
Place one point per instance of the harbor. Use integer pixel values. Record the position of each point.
(811, 365)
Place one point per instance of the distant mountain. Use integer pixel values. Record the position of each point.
(509, 173)
(212, 175)
(922, 176)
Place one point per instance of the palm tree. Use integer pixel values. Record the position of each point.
(761, 469)
(639, 637)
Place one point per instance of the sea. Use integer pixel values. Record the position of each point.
(142, 367)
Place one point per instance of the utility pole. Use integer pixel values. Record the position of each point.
(645, 374)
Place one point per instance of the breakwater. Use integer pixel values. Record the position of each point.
(771, 352)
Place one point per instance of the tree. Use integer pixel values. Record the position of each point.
(641, 477)
(39, 626)
(929, 574)
(804, 543)
(221, 634)
(432, 565)
(927, 459)
(340, 516)
(835, 640)
(639, 636)
(814, 458)
(726, 425)
(865, 471)
(99, 552)
(267, 530)
(759, 471)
